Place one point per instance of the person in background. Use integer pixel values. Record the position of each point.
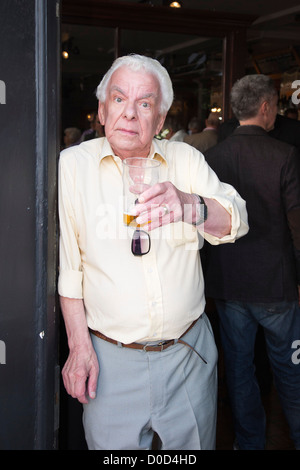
(71, 136)
(95, 130)
(142, 356)
(194, 126)
(208, 137)
(173, 129)
(256, 280)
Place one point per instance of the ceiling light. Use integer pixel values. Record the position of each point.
(68, 48)
(170, 3)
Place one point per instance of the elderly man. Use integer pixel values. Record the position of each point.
(257, 280)
(142, 356)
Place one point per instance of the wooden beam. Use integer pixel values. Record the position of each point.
(152, 18)
(234, 57)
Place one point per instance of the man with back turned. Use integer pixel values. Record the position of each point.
(256, 280)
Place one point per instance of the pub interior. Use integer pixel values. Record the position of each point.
(205, 46)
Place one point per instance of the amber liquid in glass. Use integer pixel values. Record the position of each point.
(129, 219)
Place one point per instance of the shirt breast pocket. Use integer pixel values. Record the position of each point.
(182, 233)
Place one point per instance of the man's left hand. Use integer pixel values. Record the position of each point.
(162, 204)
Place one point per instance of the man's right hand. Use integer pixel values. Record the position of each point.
(80, 374)
(81, 370)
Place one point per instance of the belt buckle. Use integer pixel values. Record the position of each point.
(161, 344)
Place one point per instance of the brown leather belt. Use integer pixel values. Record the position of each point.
(146, 347)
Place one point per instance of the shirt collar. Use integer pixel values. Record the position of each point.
(155, 152)
(106, 151)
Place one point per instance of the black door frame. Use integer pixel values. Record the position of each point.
(30, 69)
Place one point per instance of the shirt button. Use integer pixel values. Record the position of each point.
(150, 270)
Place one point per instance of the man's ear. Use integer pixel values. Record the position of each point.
(264, 115)
(101, 113)
(161, 120)
(264, 108)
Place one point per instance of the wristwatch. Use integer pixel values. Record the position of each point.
(201, 209)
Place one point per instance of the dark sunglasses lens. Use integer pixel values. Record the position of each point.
(140, 244)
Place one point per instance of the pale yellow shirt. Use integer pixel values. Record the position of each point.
(148, 298)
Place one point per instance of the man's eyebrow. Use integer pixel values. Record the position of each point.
(147, 95)
(116, 88)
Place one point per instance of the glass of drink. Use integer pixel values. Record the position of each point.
(138, 175)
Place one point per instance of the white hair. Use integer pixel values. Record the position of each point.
(138, 62)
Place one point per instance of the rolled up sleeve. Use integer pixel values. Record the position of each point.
(70, 284)
(236, 207)
(70, 272)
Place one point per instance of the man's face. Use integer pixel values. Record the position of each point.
(131, 112)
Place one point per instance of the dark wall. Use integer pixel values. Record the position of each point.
(28, 154)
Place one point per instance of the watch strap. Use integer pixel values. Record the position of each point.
(202, 212)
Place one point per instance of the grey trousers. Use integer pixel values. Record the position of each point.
(173, 392)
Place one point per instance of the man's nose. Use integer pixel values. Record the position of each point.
(129, 110)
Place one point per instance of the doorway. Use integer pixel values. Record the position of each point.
(194, 63)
